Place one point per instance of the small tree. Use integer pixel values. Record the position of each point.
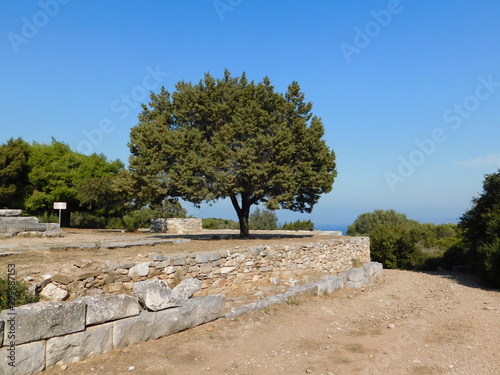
(299, 225)
(264, 220)
(369, 220)
(14, 184)
(230, 138)
(481, 229)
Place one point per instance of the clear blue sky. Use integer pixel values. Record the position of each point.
(409, 91)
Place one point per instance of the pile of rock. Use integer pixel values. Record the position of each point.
(13, 224)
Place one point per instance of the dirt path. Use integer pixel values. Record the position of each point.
(410, 323)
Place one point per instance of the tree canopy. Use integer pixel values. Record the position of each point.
(369, 220)
(14, 184)
(230, 138)
(481, 229)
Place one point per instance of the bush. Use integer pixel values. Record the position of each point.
(48, 217)
(87, 220)
(299, 225)
(369, 220)
(481, 229)
(263, 220)
(19, 293)
(213, 223)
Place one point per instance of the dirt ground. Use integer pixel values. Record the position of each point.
(408, 323)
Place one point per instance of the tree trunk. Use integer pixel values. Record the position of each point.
(243, 213)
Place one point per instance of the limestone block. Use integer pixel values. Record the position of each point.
(372, 268)
(78, 346)
(153, 325)
(141, 269)
(356, 274)
(186, 289)
(29, 358)
(202, 258)
(63, 279)
(42, 320)
(155, 295)
(10, 212)
(54, 293)
(108, 307)
(355, 284)
(330, 284)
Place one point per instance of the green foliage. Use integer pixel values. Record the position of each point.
(14, 170)
(142, 218)
(368, 220)
(231, 138)
(59, 174)
(16, 292)
(214, 223)
(48, 217)
(398, 242)
(299, 225)
(87, 220)
(481, 229)
(263, 220)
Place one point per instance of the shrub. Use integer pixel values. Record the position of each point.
(263, 220)
(214, 223)
(18, 293)
(87, 220)
(481, 229)
(299, 225)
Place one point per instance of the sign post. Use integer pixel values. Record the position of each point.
(59, 206)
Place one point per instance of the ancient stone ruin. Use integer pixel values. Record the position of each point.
(13, 224)
(176, 225)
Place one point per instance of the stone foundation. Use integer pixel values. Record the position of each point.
(13, 224)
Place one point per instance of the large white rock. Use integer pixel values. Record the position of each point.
(155, 295)
(186, 288)
(54, 293)
(141, 269)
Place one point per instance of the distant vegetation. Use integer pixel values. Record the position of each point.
(299, 225)
(99, 193)
(399, 242)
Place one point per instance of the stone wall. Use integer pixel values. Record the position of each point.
(176, 225)
(54, 333)
(36, 336)
(13, 224)
(221, 272)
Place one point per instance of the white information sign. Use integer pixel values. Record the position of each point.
(59, 205)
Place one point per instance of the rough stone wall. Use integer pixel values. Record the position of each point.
(176, 225)
(221, 272)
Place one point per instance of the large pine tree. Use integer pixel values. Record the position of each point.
(232, 138)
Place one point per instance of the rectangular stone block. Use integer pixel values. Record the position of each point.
(42, 320)
(10, 212)
(27, 358)
(355, 284)
(108, 307)
(356, 274)
(371, 268)
(153, 325)
(330, 284)
(78, 346)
